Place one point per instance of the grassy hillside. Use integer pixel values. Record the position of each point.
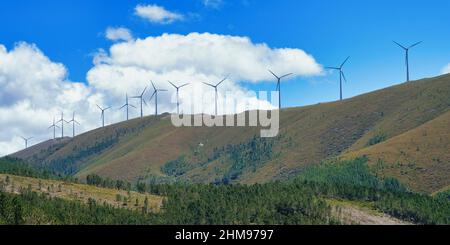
(80, 192)
(419, 157)
(141, 148)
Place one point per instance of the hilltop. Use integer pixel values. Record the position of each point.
(387, 124)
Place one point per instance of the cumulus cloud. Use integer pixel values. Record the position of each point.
(196, 58)
(157, 14)
(34, 90)
(446, 69)
(211, 55)
(118, 34)
(29, 100)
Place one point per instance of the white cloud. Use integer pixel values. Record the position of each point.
(446, 69)
(213, 3)
(157, 14)
(34, 90)
(211, 55)
(29, 100)
(195, 58)
(118, 34)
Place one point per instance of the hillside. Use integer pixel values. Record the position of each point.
(152, 149)
(419, 157)
(80, 192)
(39, 152)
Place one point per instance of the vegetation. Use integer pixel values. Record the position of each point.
(70, 164)
(96, 180)
(248, 156)
(176, 167)
(33, 208)
(352, 180)
(302, 200)
(15, 166)
(378, 138)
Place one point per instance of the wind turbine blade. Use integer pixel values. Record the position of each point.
(76, 122)
(343, 76)
(332, 68)
(135, 97)
(286, 75)
(415, 44)
(209, 84)
(184, 85)
(274, 74)
(163, 90)
(144, 101)
(143, 92)
(153, 85)
(132, 106)
(152, 95)
(345, 61)
(99, 107)
(173, 85)
(401, 46)
(107, 108)
(123, 106)
(222, 81)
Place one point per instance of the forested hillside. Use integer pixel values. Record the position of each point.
(306, 199)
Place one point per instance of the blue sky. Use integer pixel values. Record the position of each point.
(71, 31)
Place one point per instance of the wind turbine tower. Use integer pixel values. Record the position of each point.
(407, 56)
(141, 97)
(73, 121)
(178, 98)
(62, 124)
(54, 126)
(215, 89)
(279, 86)
(127, 105)
(26, 141)
(156, 97)
(341, 75)
(103, 114)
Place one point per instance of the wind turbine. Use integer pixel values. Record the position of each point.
(62, 124)
(103, 114)
(141, 97)
(407, 56)
(73, 121)
(341, 75)
(127, 105)
(54, 126)
(156, 97)
(279, 86)
(178, 88)
(26, 141)
(215, 88)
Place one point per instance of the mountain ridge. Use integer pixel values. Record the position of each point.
(140, 148)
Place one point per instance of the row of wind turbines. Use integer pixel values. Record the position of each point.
(127, 105)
